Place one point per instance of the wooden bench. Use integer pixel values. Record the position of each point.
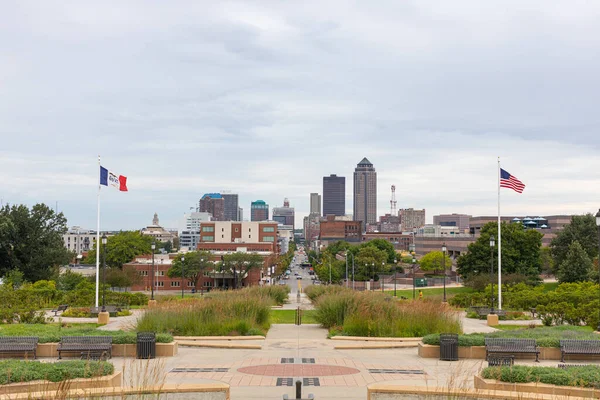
(91, 345)
(581, 347)
(62, 307)
(109, 309)
(483, 311)
(511, 346)
(19, 344)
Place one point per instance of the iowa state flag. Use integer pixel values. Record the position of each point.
(109, 178)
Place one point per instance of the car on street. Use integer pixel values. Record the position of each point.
(298, 277)
(316, 282)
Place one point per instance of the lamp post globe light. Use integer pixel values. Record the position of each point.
(444, 267)
(492, 244)
(598, 225)
(153, 247)
(104, 240)
(182, 274)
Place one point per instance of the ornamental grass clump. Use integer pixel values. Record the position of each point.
(233, 313)
(372, 314)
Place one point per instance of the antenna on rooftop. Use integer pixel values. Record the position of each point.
(393, 201)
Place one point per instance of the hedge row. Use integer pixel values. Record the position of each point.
(544, 336)
(14, 371)
(50, 333)
(584, 376)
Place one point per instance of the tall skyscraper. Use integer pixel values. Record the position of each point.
(365, 193)
(259, 211)
(315, 203)
(334, 195)
(230, 206)
(284, 215)
(214, 204)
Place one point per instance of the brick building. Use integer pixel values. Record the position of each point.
(398, 239)
(332, 229)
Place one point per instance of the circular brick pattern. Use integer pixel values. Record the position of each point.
(292, 370)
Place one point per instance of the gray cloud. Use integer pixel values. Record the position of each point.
(264, 98)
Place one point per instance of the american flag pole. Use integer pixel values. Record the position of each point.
(499, 246)
(98, 237)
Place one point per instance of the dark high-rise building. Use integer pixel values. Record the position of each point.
(230, 206)
(365, 193)
(334, 195)
(259, 211)
(214, 204)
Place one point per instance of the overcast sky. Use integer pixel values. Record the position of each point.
(264, 98)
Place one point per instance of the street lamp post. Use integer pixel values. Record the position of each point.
(330, 272)
(492, 244)
(153, 246)
(395, 275)
(346, 269)
(352, 270)
(380, 279)
(104, 240)
(414, 264)
(373, 267)
(444, 267)
(182, 274)
(598, 225)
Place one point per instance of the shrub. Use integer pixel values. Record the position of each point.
(279, 294)
(373, 314)
(51, 333)
(584, 376)
(14, 371)
(544, 336)
(77, 312)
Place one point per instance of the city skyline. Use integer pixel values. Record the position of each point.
(405, 84)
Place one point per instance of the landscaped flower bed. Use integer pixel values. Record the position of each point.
(346, 312)
(243, 312)
(585, 376)
(544, 336)
(17, 371)
(51, 333)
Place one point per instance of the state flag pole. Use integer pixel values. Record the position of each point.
(98, 238)
(499, 246)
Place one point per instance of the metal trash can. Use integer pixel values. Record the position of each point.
(449, 347)
(146, 345)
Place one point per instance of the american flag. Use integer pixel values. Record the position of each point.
(511, 182)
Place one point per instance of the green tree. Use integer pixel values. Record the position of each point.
(195, 263)
(122, 248)
(31, 241)
(383, 245)
(69, 280)
(121, 278)
(576, 267)
(582, 229)
(13, 279)
(368, 262)
(330, 267)
(168, 246)
(243, 263)
(520, 251)
(175, 244)
(434, 261)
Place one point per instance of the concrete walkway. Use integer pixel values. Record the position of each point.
(114, 324)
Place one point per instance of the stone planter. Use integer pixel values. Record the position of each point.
(118, 350)
(478, 352)
(108, 381)
(537, 388)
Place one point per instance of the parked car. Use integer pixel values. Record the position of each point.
(316, 282)
(298, 277)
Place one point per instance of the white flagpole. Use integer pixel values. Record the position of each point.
(98, 238)
(499, 245)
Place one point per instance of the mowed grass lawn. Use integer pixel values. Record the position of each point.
(434, 292)
(289, 317)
